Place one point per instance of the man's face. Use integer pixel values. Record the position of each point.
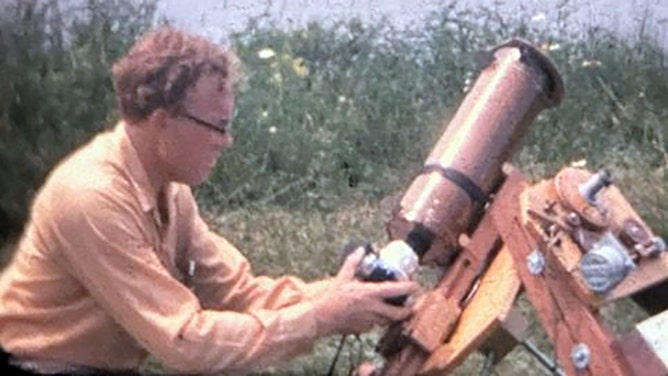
(194, 137)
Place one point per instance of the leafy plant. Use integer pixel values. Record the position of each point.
(56, 88)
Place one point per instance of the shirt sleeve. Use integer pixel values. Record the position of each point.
(104, 244)
(222, 277)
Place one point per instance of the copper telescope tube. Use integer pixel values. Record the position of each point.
(464, 166)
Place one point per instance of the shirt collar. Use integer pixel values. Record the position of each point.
(146, 193)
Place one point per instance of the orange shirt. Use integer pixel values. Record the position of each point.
(101, 279)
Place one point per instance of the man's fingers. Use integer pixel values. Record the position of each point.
(391, 289)
(350, 265)
(388, 314)
(366, 369)
(397, 313)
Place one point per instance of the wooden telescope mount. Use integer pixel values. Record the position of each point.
(535, 237)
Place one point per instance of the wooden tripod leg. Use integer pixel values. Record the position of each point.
(583, 344)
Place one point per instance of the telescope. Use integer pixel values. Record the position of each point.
(573, 243)
(464, 167)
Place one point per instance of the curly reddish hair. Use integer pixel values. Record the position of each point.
(160, 67)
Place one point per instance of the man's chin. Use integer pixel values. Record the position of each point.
(194, 181)
(199, 181)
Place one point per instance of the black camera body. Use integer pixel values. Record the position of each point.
(397, 261)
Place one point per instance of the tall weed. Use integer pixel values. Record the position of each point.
(56, 89)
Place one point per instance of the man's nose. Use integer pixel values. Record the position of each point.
(222, 140)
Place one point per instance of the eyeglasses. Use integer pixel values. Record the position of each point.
(223, 126)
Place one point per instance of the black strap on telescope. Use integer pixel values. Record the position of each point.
(462, 181)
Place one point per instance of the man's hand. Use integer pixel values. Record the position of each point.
(352, 306)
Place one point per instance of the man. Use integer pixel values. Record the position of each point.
(116, 262)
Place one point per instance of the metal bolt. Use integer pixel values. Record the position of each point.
(580, 355)
(656, 247)
(536, 262)
(553, 229)
(573, 219)
(633, 232)
(591, 187)
(659, 244)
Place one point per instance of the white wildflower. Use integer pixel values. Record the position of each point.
(579, 163)
(299, 66)
(266, 53)
(538, 18)
(591, 63)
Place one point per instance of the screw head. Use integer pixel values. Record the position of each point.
(659, 244)
(573, 219)
(580, 356)
(536, 262)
